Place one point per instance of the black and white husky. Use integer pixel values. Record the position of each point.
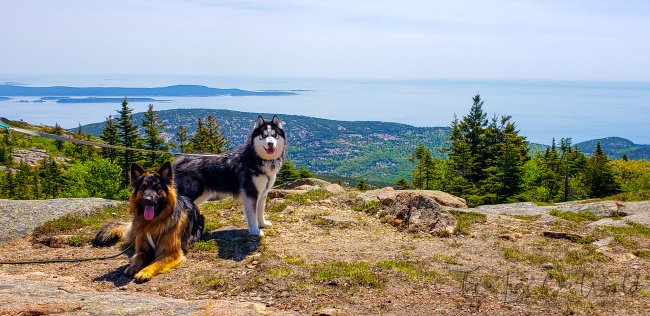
(248, 172)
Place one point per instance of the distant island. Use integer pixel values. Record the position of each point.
(103, 100)
(169, 91)
(5, 98)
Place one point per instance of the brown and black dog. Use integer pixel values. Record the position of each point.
(163, 226)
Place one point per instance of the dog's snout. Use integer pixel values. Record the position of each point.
(270, 144)
(147, 199)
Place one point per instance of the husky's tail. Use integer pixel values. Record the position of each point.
(113, 232)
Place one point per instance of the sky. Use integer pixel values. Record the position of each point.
(590, 40)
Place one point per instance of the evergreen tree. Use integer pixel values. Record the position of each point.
(128, 137)
(58, 130)
(217, 143)
(50, 175)
(182, 139)
(22, 182)
(402, 184)
(9, 185)
(287, 173)
(152, 140)
(201, 139)
(362, 185)
(110, 136)
(303, 173)
(599, 175)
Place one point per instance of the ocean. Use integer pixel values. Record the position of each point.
(542, 109)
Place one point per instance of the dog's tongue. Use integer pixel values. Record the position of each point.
(148, 212)
(270, 151)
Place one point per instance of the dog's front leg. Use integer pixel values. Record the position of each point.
(261, 209)
(250, 211)
(137, 261)
(164, 263)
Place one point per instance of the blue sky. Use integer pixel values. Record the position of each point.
(487, 39)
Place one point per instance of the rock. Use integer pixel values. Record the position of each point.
(563, 235)
(547, 266)
(334, 188)
(312, 182)
(306, 187)
(20, 217)
(59, 241)
(639, 218)
(603, 242)
(607, 222)
(387, 196)
(331, 311)
(601, 209)
(338, 220)
(418, 213)
(279, 193)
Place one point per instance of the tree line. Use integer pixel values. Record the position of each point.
(488, 162)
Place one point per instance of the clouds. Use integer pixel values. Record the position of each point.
(495, 39)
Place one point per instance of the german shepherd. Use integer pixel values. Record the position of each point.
(163, 226)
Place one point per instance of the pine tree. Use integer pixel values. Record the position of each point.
(362, 185)
(402, 184)
(287, 173)
(218, 143)
(152, 140)
(50, 178)
(128, 137)
(201, 139)
(182, 139)
(110, 136)
(600, 176)
(58, 130)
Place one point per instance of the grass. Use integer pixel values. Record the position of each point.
(207, 282)
(408, 269)
(525, 218)
(575, 216)
(205, 245)
(643, 253)
(79, 240)
(280, 272)
(353, 273)
(570, 257)
(309, 196)
(464, 221)
(370, 207)
(445, 259)
(276, 207)
(635, 196)
(293, 261)
(82, 223)
(644, 293)
(633, 229)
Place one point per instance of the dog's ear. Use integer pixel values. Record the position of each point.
(165, 172)
(136, 173)
(276, 121)
(260, 121)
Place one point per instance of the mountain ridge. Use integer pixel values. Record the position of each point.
(374, 150)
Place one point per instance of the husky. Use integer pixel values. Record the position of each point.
(249, 172)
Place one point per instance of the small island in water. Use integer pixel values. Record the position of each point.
(169, 91)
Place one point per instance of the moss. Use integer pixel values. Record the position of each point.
(79, 240)
(276, 207)
(294, 261)
(634, 229)
(410, 270)
(309, 196)
(445, 259)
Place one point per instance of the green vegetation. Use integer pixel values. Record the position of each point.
(353, 273)
(575, 216)
(205, 245)
(309, 196)
(464, 221)
(207, 282)
(280, 272)
(288, 173)
(81, 223)
(370, 207)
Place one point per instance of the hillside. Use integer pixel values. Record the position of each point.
(337, 252)
(378, 151)
(616, 147)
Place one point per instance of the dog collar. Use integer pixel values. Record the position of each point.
(150, 240)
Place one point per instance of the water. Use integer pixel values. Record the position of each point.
(541, 109)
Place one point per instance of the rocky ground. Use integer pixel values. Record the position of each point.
(332, 251)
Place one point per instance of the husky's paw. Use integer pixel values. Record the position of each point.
(143, 276)
(265, 224)
(256, 232)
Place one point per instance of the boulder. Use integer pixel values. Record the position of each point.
(419, 213)
(334, 188)
(388, 195)
(312, 182)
